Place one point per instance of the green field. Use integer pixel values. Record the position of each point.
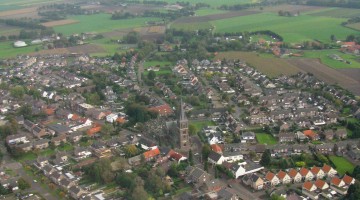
(337, 12)
(192, 26)
(100, 23)
(26, 2)
(148, 64)
(292, 29)
(342, 164)
(110, 47)
(216, 3)
(7, 50)
(264, 138)
(323, 55)
(201, 124)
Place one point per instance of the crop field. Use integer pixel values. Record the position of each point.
(192, 26)
(337, 12)
(326, 74)
(355, 26)
(291, 8)
(60, 22)
(17, 12)
(100, 23)
(342, 164)
(208, 11)
(264, 138)
(8, 30)
(292, 29)
(272, 67)
(27, 2)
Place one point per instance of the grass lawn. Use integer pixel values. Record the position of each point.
(292, 29)
(192, 26)
(148, 64)
(264, 138)
(160, 72)
(26, 157)
(342, 164)
(111, 47)
(8, 50)
(323, 55)
(201, 124)
(66, 147)
(101, 23)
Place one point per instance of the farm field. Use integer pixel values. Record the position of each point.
(27, 2)
(208, 11)
(355, 26)
(326, 74)
(59, 22)
(270, 66)
(217, 3)
(342, 164)
(109, 47)
(325, 59)
(17, 12)
(100, 23)
(192, 26)
(291, 8)
(292, 29)
(337, 12)
(264, 138)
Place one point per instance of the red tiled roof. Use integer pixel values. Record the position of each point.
(151, 153)
(303, 171)
(348, 179)
(326, 168)
(320, 183)
(164, 109)
(310, 133)
(281, 175)
(336, 181)
(92, 131)
(315, 170)
(307, 185)
(216, 148)
(293, 173)
(269, 176)
(175, 155)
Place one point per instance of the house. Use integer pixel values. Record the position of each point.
(81, 153)
(253, 181)
(328, 134)
(322, 185)
(354, 154)
(298, 149)
(338, 185)
(241, 169)
(42, 161)
(232, 156)
(348, 180)
(41, 144)
(75, 137)
(196, 175)
(228, 194)
(306, 174)
(111, 118)
(325, 148)
(213, 185)
(329, 171)
(248, 137)
(283, 177)
(48, 170)
(76, 191)
(16, 139)
(308, 188)
(151, 154)
(272, 178)
(58, 129)
(317, 172)
(26, 147)
(311, 135)
(39, 131)
(176, 156)
(216, 148)
(60, 158)
(146, 144)
(341, 133)
(215, 158)
(58, 140)
(300, 136)
(215, 138)
(286, 137)
(66, 184)
(92, 131)
(295, 175)
(56, 177)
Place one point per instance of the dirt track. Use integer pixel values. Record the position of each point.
(327, 74)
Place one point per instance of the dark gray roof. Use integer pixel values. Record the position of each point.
(41, 141)
(58, 128)
(214, 156)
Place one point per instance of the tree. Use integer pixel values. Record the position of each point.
(266, 158)
(192, 129)
(333, 38)
(206, 149)
(353, 191)
(139, 193)
(277, 197)
(151, 75)
(356, 172)
(23, 184)
(101, 172)
(106, 128)
(191, 158)
(17, 92)
(3, 191)
(130, 150)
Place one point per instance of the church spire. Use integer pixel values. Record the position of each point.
(182, 111)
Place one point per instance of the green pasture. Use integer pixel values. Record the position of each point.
(148, 64)
(342, 165)
(292, 29)
(192, 26)
(216, 3)
(264, 138)
(26, 2)
(100, 23)
(323, 55)
(110, 47)
(8, 50)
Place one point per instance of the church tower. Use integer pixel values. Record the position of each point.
(183, 125)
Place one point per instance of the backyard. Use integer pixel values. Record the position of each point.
(342, 165)
(264, 138)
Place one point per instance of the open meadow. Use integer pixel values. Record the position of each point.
(100, 23)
